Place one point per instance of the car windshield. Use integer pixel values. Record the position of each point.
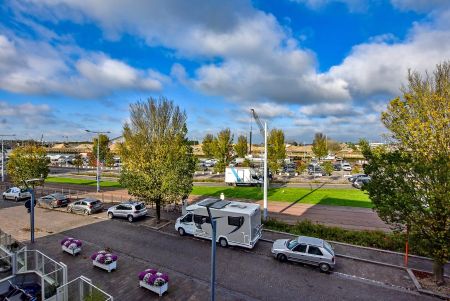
(328, 247)
(292, 243)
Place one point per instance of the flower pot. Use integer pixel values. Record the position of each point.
(107, 267)
(157, 289)
(71, 251)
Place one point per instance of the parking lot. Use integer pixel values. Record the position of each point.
(186, 259)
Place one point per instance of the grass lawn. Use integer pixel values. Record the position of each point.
(81, 182)
(322, 196)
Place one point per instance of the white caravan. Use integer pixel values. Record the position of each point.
(238, 224)
(242, 176)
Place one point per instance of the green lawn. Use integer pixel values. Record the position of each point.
(323, 196)
(81, 182)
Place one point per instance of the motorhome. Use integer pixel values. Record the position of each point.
(242, 176)
(237, 223)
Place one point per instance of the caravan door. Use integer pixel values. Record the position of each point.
(187, 222)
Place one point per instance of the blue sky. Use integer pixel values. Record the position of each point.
(306, 66)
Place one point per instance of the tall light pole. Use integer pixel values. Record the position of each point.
(98, 154)
(3, 155)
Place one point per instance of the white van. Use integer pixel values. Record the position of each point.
(238, 224)
(242, 176)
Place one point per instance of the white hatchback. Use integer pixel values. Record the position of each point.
(16, 193)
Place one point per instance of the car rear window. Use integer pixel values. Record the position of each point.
(140, 206)
(94, 203)
(23, 190)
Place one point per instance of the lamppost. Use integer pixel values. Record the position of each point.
(3, 155)
(33, 183)
(98, 154)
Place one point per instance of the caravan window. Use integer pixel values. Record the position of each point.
(200, 219)
(235, 221)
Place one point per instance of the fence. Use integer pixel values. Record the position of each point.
(81, 289)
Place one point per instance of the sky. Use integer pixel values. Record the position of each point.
(305, 66)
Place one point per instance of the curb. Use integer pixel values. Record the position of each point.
(424, 291)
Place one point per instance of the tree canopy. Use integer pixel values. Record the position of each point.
(241, 147)
(319, 147)
(105, 155)
(208, 145)
(27, 162)
(410, 184)
(158, 162)
(223, 149)
(276, 152)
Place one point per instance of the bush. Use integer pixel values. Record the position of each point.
(375, 239)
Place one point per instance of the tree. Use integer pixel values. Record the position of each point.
(333, 146)
(158, 162)
(241, 147)
(208, 146)
(410, 184)
(352, 146)
(27, 162)
(78, 162)
(276, 149)
(319, 147)
(106, 157)
(328, 167)
(223, 147)
(301, 167)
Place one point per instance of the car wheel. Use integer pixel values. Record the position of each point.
(4, 197)
(69, 209)
(110, 215)
(325, 268)
(181, 231)
(16, 199)
(86, 212)
(223, 242)
(53, 206)
(130, 218)
(282, 257)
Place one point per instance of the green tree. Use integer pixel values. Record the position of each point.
(276, 149)
(352, 146)
(410, 184)
(208, 145)
(319, 146)
(223, 149)
(106, 157)
(328, 167)
(301, 167)
(241, 147)
(78, 162)
(27, 162)
(158, 162)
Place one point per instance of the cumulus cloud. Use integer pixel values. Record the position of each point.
(353, 5)
(36, 67)
(421, 5)
(329, 109)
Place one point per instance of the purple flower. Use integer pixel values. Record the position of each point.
(141, 275)
(94, 256)
(114, 257)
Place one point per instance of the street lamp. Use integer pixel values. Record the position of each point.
(3, 155)
(32, 182)
(98, 154)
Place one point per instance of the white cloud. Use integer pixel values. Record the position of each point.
(421, 5)
(353, 5)
(34, 67)
(381, 68)
(329, 109)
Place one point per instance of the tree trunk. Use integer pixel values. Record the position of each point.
(158, 210)
(438, 272)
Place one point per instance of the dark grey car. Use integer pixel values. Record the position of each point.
(86, 206)
(304, 249)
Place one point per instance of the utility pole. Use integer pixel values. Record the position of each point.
(33, 183)
(98, 154)
(3, 156)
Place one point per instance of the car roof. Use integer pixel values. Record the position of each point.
(89, 200)
(310, 241)
(131, 203)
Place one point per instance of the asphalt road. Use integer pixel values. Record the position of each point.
(253, 274)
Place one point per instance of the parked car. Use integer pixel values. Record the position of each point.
(360, 182)
(346, 167)
(53, 200)
(16, 194)
(316, 170)
(337, 167)
(304, 249)
(86, 206)
(130, 210)
(356, 176)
